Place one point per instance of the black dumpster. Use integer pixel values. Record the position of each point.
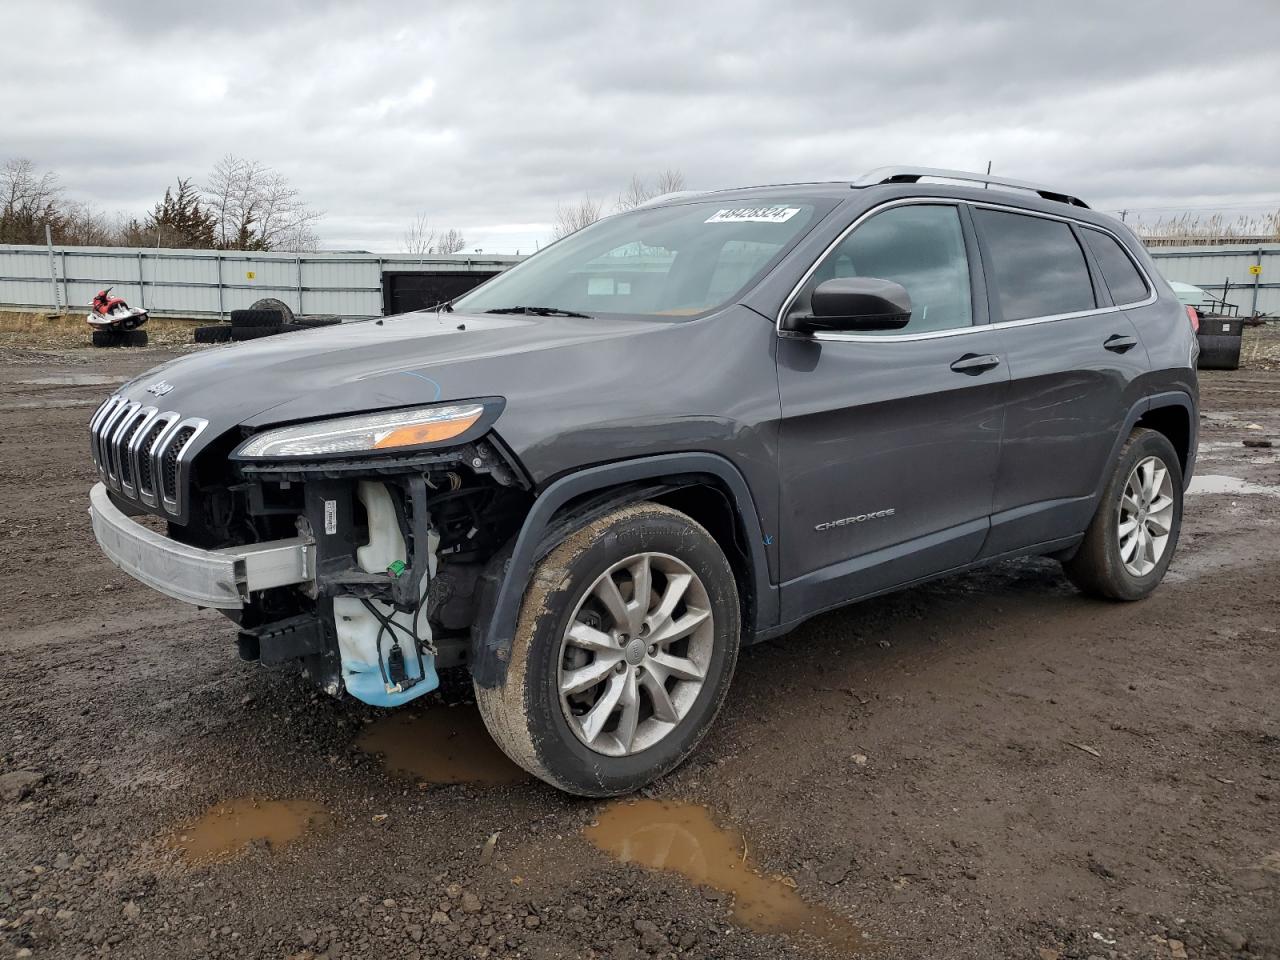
(1220, 339)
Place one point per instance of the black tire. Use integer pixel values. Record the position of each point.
(256, 318)
(254, 333)
(1097, 567)
(279, 306)
(120, 338)
(1219, 352)
(310, 322)
(218, 333)
(524, 714)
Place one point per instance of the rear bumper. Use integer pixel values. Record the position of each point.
(207, 578)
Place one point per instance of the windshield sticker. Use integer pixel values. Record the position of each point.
(776, 214)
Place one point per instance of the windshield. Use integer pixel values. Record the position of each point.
(673, 261)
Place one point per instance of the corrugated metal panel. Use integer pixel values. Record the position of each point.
(210, 282)
(207, 282)
(1227, 267)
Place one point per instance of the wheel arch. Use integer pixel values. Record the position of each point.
(1175, 411)
(1175, 421)
(706, 486)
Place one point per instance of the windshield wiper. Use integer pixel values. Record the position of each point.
(542, 312)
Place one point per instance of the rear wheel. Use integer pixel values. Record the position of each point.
(625, 646)
(1131, 539)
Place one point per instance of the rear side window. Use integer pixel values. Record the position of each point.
(1039, 268)
(1122, 277)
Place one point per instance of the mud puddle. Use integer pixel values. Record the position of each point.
(683, 839)
(1213, 483)
(440, 745)
(231, 826)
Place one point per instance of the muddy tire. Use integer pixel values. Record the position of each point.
(120, 338)
(278, 306)
(600, 703)
(256, 318)
(216, 333)
(1132, 537)
(315, 321)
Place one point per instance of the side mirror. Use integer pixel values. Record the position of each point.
(855, 303)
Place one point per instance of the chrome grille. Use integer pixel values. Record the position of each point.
(144, 454)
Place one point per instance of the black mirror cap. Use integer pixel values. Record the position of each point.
(856, 303)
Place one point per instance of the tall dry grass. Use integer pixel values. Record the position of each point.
(1189, 229)
(72, 330)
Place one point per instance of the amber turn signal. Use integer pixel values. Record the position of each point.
(416, 434)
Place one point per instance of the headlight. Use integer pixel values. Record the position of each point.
(367, 433)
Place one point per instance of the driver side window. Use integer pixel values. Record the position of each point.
(921, 247)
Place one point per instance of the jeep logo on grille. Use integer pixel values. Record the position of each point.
(160, 388)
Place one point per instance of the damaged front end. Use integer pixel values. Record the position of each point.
(352, 547)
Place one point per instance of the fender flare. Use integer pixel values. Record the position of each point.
(495, 630)
(1156, 401)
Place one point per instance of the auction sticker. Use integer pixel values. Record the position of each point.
(775, 214)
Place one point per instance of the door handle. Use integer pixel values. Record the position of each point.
(1119, 344)
(975, 363)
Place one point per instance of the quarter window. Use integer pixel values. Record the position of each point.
(920, 246)
(1122, 277)
(1039, 268)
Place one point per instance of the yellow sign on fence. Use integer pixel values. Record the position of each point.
(250, 275)
(1255, 269)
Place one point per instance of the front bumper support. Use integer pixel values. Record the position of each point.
(207, 578)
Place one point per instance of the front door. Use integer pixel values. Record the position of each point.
(890, 440)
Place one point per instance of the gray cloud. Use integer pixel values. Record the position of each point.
(485, 115)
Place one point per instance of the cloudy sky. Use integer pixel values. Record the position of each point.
(485, 115)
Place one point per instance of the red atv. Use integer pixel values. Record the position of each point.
(115, 323)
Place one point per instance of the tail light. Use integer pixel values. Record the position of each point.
(1194, 318)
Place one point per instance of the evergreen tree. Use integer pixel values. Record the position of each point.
(179, 220)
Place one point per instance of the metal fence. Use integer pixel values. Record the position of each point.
(1248, 275)
(209, 283)
(200, 283)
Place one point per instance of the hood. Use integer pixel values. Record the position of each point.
(414, 358)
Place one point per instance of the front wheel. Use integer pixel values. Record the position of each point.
(625, 646)
(1130, 542)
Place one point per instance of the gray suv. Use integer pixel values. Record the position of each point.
(684, 429)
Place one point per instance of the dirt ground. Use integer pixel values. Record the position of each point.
(990, 766)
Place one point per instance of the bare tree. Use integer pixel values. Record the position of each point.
(80, 224)
(420, 238)
(451, 241)
(256, 208)
(28, 200)
(641, 190)
(575, 216)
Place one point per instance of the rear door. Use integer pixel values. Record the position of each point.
(890, 440)
(1073, 358)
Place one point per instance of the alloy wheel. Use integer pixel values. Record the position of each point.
(635, 654)
(1145, 516)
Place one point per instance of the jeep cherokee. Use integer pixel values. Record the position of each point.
(683, 429)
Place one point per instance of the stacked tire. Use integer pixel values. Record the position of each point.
(119, 338)
(258, 321)
(266, 318)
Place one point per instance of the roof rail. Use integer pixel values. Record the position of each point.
(915, 174)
